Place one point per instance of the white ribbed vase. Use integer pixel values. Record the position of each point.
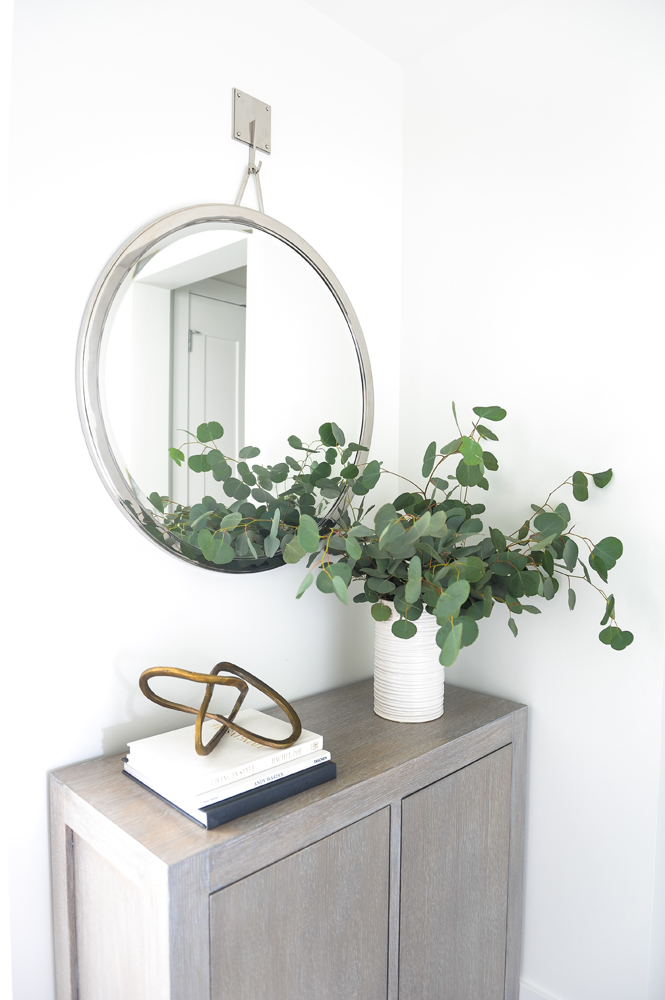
(408, 678)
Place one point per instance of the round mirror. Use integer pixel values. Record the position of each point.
(217, 351)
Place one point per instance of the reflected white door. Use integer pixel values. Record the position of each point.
(209, 378)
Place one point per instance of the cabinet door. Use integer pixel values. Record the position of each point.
(455, 841)
(314, 925)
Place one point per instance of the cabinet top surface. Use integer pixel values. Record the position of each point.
(363, 746)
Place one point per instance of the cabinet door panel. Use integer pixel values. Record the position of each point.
(111, 921)
(455, 842)
(314, 925)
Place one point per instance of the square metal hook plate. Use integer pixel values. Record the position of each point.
(248, 109)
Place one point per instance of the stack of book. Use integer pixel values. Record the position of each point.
(237, 777)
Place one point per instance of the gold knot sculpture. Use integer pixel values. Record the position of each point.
(242, 681)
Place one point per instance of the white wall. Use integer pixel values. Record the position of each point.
(122, 113)
(533, 267)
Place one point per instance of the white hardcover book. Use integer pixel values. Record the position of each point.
(192, 804)
(171, 759)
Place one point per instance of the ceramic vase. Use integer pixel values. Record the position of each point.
(408, 678)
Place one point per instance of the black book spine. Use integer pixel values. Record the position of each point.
(274, 791)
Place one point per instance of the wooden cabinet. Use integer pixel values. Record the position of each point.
(401, 880)
(318, 920)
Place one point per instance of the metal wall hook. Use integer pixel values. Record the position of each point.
(252, 170)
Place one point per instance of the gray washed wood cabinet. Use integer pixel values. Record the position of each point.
(401, 880)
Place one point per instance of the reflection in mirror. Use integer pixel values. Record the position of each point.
(222, 324)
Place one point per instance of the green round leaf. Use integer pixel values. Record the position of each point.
(380, 586)
(308, 533)
(452, 599)
(177, 456)
(472, 568)
(580, 486)
(224, 554)
(384, 517)
(221, 469)
(489, 412)
(598, 564)
(198, 463)
(609, 550)
(428, 458)
(341, 568)
(293, 551)
(609, 633)
(472, 452)
(270, 546)
(601, 479)
(261, 496)
(414, 583)
(451, 447)
(570, 554)
(371, 475)
(249, 452)
(468, 475)
(327, 435)
(529, 580)
(563, 511)
(549, 523)
(231, 485)
(404, 629)
(231, 520)
(353, 547)
(622, 640)
(247, 476)
(380, 612)
(339, 586)
(322, 471)
(469, 629)
(338, 434)
(279, 472)
(451, 646)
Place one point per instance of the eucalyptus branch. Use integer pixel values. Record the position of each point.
(420, 536)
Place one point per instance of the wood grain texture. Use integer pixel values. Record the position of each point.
(109, 873)
(62, 872)
(363, 745)
(313, 925)
(111, 929)
(516, 863)
(395, 893)
(189, 930)
(455, 855)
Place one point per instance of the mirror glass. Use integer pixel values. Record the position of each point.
(227, 325)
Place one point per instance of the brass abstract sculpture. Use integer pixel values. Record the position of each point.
(242, 681)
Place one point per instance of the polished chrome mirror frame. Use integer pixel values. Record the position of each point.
(92, 331)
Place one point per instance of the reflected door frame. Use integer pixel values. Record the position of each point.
(189, 377)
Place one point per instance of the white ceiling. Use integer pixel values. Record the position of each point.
(404, 29)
